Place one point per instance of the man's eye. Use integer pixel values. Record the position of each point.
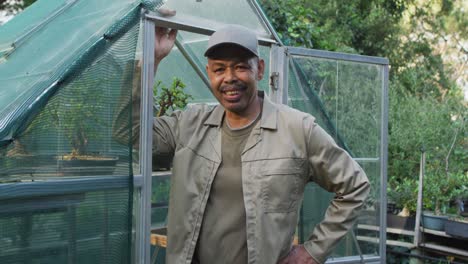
(218, 70)
(242, 67)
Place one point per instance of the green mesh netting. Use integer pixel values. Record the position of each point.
(345, 99)
(66, 191)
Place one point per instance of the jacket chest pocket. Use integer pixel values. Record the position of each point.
(282, 185)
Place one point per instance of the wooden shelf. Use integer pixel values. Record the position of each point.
(434, 232)
(389, 230)
(445, 249)
(167, 173)
(389, 242)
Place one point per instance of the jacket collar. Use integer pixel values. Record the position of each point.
(268, 119)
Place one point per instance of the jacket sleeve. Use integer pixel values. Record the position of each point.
(333, 169)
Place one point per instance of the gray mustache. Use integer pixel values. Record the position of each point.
(232, 87)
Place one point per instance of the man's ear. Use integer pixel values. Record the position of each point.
(260, 69)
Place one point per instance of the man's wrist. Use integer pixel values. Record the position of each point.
(314, 252)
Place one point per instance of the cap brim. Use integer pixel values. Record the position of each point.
(212, 51)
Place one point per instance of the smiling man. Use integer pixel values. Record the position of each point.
(240, 168)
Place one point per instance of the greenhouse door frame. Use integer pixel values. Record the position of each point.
(278, 75)
(280, 58)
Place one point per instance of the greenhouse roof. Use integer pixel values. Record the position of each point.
(42, 45)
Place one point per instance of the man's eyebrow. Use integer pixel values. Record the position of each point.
(233, 62)
(218, 63)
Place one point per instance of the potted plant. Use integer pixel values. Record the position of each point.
(167, 100)
(438, 191)
(404, 194)
(457, 226)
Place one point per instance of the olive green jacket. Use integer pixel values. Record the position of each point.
(284, 152)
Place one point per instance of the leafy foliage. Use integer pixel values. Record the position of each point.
(424, 43)
(404, 194)
(350, 26)
(12, 7)
(439, 190)
(170, 98)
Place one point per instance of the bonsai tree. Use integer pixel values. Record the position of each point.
(78, 115)
(170, 98)
(440, 189)
(460, 192)
(167, 100)
(404, 195)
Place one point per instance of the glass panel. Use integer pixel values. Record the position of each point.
(224, 12)
(345, 98)
(177, 66)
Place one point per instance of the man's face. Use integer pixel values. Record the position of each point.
(234, 76)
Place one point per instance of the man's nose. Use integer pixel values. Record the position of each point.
(230, 75)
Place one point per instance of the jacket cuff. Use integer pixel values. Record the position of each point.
(315, 252)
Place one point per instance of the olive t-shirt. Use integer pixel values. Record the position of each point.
(222, 236)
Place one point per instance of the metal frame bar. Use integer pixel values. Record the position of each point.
(192, 63)
(278, 74)
(263, 18)
(367, 159)
(146, 143)
(61, 187)
(383, 166)
(195, 26)
(354, 259)
(337, 56)
(419, 204)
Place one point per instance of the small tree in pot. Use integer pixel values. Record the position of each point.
(404, 195)
(167, 100)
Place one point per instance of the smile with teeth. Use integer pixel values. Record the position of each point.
(232, 92)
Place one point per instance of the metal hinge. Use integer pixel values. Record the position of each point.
(274, 80)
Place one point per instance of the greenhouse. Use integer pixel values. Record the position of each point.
(73, 192)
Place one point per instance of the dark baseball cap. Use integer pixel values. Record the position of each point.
(233, 35)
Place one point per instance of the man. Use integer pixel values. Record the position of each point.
(240, 168)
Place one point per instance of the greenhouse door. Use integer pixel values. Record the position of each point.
(347, 94)
(195, 20)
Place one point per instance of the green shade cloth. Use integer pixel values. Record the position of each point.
(66, 185)
(54, 40)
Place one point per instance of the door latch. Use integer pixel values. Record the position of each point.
(274, 80)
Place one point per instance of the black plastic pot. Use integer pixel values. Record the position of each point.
(87, 167)
(401, 222)
(162, 162)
